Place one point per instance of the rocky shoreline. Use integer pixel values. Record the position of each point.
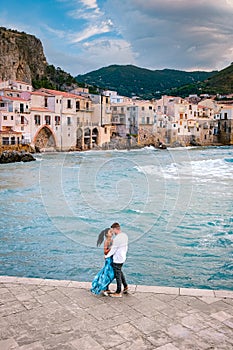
(15, 156)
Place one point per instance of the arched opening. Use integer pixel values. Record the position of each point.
(79, 137)
(87, 138)
(44, 140)
(95, 137)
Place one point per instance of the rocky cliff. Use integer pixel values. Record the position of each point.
(21, 56)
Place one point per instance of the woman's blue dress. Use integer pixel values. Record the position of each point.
(103, 277)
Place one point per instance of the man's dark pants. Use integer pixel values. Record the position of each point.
(119, 276)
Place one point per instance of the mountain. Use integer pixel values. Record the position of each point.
(130, 80)
(22, 58)
(219, 83)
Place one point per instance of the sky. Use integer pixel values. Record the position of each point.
(80, 36)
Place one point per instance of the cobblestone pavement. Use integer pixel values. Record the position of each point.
(38, 314)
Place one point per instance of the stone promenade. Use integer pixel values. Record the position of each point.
(37, 314)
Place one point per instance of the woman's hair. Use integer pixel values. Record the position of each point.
(101, 236)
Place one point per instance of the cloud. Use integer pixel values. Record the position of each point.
(103, 27)
(94, 55)
(176, 33)
(85, 9)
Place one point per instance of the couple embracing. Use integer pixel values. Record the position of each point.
(115, 251)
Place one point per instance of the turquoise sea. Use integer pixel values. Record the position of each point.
(175, 205)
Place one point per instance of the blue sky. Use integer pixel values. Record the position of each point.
(83, 35)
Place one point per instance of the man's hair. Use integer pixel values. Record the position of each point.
(115, 225)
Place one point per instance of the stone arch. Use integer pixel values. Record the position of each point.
(95, 136)
(87, 138)
(45, 140)
(79, 139)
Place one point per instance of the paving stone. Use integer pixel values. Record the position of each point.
(8, 344)
(32, 346)
(193, 322)
(146, 325)
(108, 339)
(159, 338)
(178, 331)
(169, 346)
(47, 315)
(136, 344)
(86, 343)
(128, 331)
(192, 343)
(221, 316)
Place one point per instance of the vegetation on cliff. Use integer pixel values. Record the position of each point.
(131, 80)
(22, 58)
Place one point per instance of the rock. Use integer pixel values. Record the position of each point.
(14, 156)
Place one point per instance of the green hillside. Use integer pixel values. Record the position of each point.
(222, 82)
(130, 80)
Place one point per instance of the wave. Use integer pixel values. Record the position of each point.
(202, 170)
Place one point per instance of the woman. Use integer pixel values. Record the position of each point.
(105, 276)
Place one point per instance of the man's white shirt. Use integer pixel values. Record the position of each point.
(119, 248)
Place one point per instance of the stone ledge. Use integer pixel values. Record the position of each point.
(197, 292)
(133, 288)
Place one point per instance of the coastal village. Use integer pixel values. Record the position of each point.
(51, 120)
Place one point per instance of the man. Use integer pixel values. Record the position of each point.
(118, 251)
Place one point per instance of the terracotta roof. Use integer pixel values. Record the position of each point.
(13, 98)
(10, 132)
(40, 93)
(40, 109)
(61, 93)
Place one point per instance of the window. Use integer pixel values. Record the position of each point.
(46, 101)
(87, 105)
(68, 121)
(2, 105)
(148, 120)
(22, 119)
(77, 106)
(12, 117)
(5, 117)
(47, 119)
(105, 130)
(225, 115)
(69, 104)
(57, 120)
(5, 141)
(21, 109)
(37, 119)
(13, 140)
(143, 108)
(150, 107)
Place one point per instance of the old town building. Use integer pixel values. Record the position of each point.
(48, 119)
